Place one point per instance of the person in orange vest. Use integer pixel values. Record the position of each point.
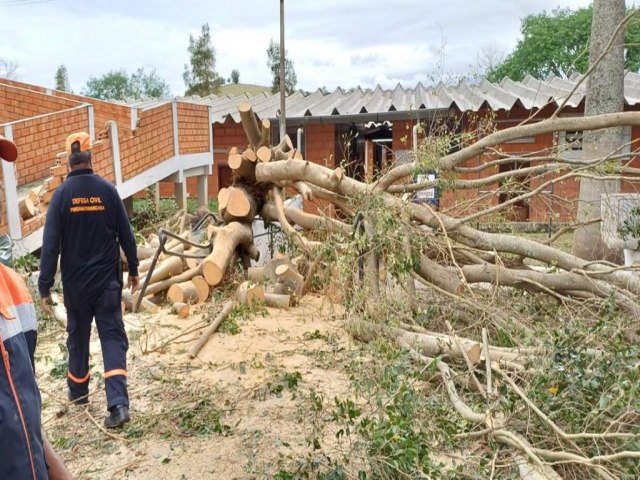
(25, 452)
(86, 226)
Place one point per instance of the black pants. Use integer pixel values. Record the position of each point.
(113, 339)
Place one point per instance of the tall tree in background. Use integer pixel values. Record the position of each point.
(148, 85)
(200, 75)
(118, 85)
(558, 43)
(605, 94)
(8, 69)
(235, 76)
(273, 62)
(62, 79)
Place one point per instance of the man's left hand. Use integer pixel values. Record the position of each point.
(133, 283)
(46, 303)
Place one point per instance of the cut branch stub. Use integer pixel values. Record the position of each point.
(266, 133)
(250, 125)
(239, 205)
(244, 166)
(264, 154)
(284, 150)
(434, 344)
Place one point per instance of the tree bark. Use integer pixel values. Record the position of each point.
(250, 125)
(605, 94)
(170, 267)
(227, 240)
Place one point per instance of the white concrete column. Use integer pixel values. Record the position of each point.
(115, 152)
(203, 190)
(11, 192)
(156, 197)
(181, 194)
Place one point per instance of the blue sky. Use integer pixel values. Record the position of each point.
(332, 43)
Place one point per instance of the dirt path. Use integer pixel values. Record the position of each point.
(238, 411)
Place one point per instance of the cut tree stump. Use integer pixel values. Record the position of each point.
(203, 288)
(180, 309)
(184, 292)
(27, 208)
(250, 292)
(289, 281)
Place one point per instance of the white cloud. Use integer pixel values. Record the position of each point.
(331, 42)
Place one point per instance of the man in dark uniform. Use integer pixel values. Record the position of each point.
(25, 452)
(86, 225)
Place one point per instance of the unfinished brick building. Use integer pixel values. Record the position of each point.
(135, 148)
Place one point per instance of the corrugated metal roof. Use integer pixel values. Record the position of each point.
(530, 93)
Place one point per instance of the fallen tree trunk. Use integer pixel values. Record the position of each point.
(164, 285)
(227, 240)
(170, 267)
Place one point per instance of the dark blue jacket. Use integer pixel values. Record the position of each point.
(86, 223)
(21, 450)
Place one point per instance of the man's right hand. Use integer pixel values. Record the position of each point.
(45, 305)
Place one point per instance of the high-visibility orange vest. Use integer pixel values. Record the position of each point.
(21, 451)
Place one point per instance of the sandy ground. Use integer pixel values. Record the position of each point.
(254, 388)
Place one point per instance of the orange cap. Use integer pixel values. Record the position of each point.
(8, 150)
(83, 140)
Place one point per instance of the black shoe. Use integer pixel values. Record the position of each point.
(80, 401)
(118, 416)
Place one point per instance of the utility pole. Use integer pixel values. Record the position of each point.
(283, 92)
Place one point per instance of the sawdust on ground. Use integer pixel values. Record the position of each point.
(266, 420)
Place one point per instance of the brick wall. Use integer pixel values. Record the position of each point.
(102, 159)
(193, 128)
(402, 134)
(151, 144)
(41, 138)
(320, 144)
(18, 103)
(103, 111)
